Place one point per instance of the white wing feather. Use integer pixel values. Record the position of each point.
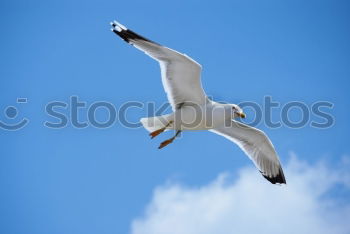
(257, 146)
(180, 73)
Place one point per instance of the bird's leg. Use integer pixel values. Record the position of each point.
(159, 131)
(167, 142)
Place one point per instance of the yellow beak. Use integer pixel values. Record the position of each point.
(242, 115)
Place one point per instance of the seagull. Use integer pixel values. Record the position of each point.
(193, 110)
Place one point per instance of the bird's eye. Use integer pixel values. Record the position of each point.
(234, 108)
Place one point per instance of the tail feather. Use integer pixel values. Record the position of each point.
(155, 123)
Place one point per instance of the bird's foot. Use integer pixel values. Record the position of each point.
(166, 142)
(156, 133)
(159, 131)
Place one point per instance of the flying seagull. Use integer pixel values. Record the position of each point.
(192, 110)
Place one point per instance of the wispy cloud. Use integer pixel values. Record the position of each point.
(307, 204)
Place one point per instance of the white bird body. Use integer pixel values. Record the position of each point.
(192, 110)
(190, 117)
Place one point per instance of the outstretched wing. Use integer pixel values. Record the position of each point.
(257, 146)
(180, 73)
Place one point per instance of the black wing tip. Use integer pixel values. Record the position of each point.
(278, 179)
(127, 34)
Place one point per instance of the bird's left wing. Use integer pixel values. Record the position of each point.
(180, 73)
(257, 146)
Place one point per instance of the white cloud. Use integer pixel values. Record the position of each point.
(253, 205)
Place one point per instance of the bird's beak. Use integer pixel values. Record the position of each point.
(242, 115)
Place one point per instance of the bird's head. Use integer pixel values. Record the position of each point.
(237, 111)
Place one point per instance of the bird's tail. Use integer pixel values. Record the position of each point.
(155, 123)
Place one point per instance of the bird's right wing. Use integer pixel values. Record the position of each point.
(180, 73)
(257, 146)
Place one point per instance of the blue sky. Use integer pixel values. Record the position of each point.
(94, 180)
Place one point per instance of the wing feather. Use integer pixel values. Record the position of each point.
(257, 146)
(180, 73)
